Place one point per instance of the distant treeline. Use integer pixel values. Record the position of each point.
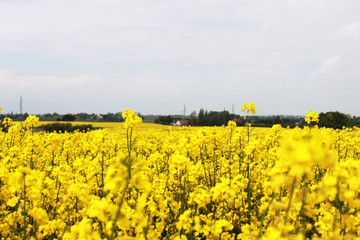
(65, 127)
(334, 120)
(57, 127)
(219, 118)
(85, 117)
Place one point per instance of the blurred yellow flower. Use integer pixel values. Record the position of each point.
(311, 116)
(231, 124)
(249, 108)
(131, 119)
(12, 202)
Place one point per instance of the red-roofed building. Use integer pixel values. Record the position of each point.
(238, 120)
(182, 122)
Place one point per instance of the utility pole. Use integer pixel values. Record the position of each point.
(184, 111)
(21, 106)
(233, 109)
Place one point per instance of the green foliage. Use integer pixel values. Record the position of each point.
(166, 120)
(276, 120)
(62, 127)
(50, 117)
(69, 117)
(213, 118)
(218, 118)
(112, 117)
(201, 117)
(3, 127)
(335, 120)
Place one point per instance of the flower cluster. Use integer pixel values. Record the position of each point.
(131, 119)
(232, 124)
(31, 122)
(311, 116)
(249, 108)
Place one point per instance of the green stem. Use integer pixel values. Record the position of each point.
(290, 199)
(126, 187)
(301, 212)
(119, 209)
(264, 214)
(249, 194)
(24, 205)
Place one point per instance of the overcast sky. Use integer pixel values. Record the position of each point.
(100, 56)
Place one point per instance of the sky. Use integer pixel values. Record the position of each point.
(287, 56)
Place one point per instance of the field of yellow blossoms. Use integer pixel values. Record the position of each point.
(180, 183)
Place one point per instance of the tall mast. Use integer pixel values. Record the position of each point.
(21, 105)
(184, 111)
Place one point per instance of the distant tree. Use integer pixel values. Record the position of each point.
(112, 117)
(193, 119)
(356, 120)
(276, 120)
(82, 116)
(24, 116)
(46, 117)
(165, 120)
(201, 117)
(335, 120)
(214, 118)
(69, 117)
(62, 127)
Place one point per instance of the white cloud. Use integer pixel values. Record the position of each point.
(4, 76)
(334, 86)
(351, 30)
(329, 64)
(158, 51)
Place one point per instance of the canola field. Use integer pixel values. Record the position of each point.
(180, 182)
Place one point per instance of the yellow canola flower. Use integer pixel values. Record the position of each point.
(115, 174)
(245, 106)
(40, 215)
(221, 226)
(12, 202)
(131, 119)
(82, 230)
(102, 209)
(311, 116)
(79, 190)
(300, 152)
(231, 124)
(327, 188)
(184, 221)
(180, 162)
(15, 181)
(7, 122)
(201, 197)
(252, 108)
(31, 122)
(249, 108)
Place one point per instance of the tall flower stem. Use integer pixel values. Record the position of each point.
(131, 120)
(290, 199)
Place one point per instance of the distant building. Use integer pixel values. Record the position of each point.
(95, 117)
(182, 123)
(238, 119)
